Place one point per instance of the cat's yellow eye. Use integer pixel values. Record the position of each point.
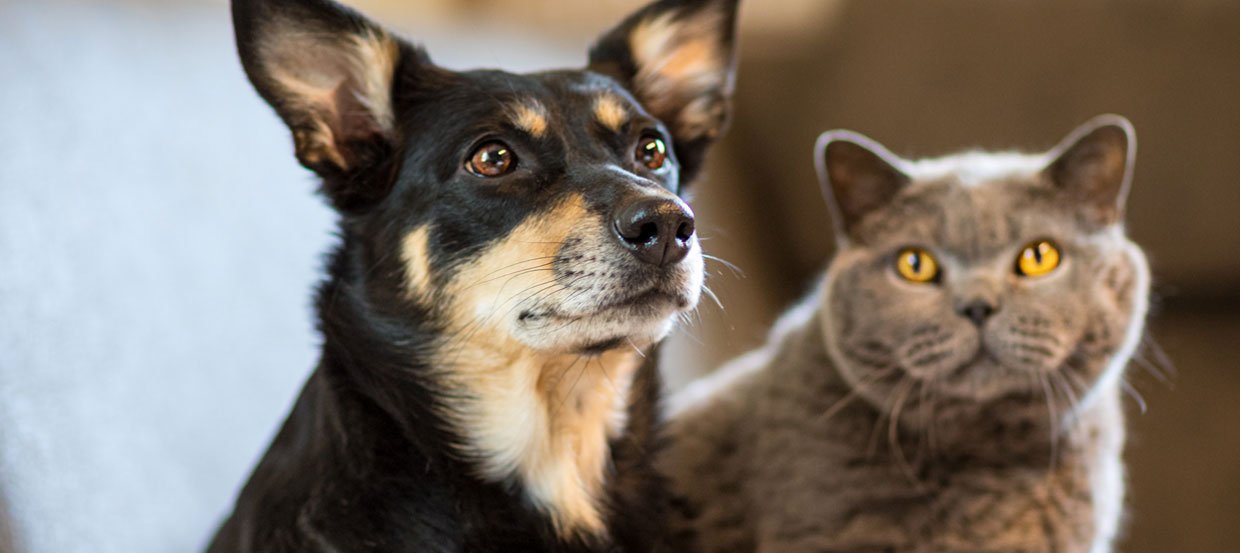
(917, 265)
(1037, 259)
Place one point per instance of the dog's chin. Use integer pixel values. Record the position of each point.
(637, 321)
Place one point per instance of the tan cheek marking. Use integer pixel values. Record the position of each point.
(543, 417)
(610, 112)
(530, 116)
(415, 254)
(512, 269)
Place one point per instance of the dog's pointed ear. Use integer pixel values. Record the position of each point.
(857, 175)
(329, 73)
(1093, 167)
(678, 58)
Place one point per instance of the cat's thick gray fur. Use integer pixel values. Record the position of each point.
(878, 419)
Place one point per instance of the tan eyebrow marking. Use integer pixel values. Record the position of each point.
(610, 111)
(530, 116)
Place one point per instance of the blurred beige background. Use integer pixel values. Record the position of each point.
(138, 99)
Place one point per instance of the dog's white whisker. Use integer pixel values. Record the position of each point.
(732, 266)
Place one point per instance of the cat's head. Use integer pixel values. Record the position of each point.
(982, 275)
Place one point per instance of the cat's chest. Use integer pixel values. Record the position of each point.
(875, 504)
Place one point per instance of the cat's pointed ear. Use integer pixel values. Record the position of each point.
(857, 175)
(1093, 167)
(678, 58)
(329, 74)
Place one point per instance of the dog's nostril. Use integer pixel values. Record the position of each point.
(685, 230)
(648, 232)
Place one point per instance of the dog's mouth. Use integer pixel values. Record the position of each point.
(652, 300)
(602, 346)
(635, 319)
(653, 297)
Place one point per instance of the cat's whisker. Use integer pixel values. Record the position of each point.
(1134, 394)
(879, 420)
(1151, 368)
(853, 394)
(1077, 386)
(933, 423)
(888, 405)
(1161, 366)
(1062, 383)
(893, 432)
(921, 430)
(1053, 414)
(925, 446)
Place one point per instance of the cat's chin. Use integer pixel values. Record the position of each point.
(985, 378)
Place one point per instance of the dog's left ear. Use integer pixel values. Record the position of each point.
(678, 59)
(329, 74)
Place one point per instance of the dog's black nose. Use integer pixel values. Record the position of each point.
(657, 230)
(977, 311)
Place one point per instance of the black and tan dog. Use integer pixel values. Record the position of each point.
(509, 245)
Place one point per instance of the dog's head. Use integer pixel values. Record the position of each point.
(543, 207)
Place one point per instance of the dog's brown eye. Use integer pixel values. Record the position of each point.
(492, 159)
(652, 152)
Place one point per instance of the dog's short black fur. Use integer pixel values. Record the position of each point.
(508, 245)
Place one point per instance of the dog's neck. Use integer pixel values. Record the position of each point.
(541, 419)
(516, 415)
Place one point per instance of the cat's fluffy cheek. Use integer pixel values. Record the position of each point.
(1031, 342)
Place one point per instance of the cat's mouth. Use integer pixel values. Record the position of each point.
(984, 376)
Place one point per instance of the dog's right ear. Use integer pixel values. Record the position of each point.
(678, 58)
(857, 175)
(329, 74)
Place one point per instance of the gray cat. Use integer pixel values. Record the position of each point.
(953, 385)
